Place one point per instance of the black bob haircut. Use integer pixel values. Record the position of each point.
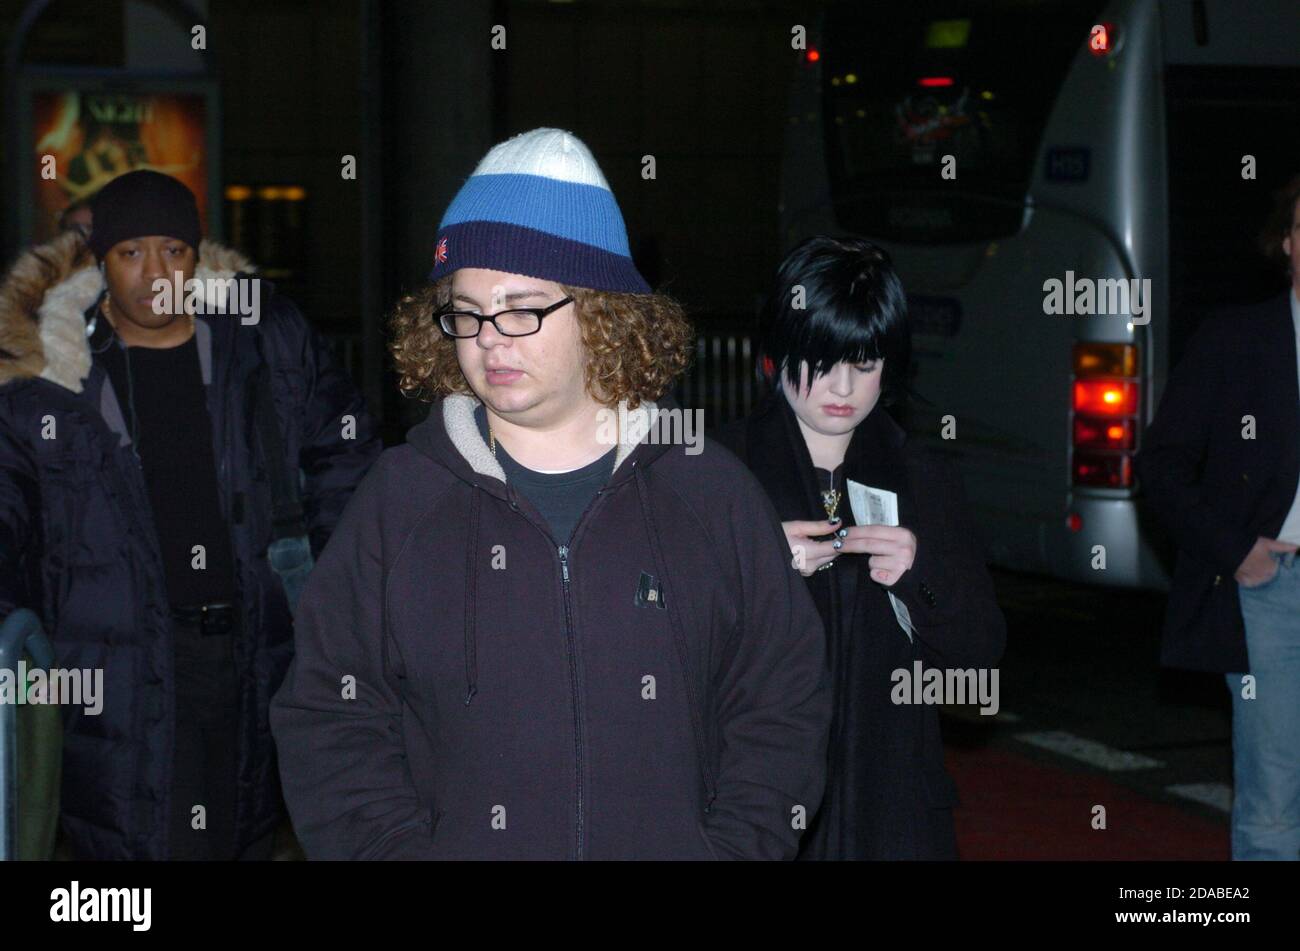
(854, 310)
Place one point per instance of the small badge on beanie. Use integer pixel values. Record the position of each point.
(440, 252)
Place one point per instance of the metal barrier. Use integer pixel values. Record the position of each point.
(721, 379)
(21, 632)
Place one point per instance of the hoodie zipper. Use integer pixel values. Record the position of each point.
(570, 646)
(572, 649)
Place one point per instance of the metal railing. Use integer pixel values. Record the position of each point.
(21, 632)
(721, 379)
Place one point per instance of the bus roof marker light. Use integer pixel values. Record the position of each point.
(930, 82)
(947, 34)
(812, 56)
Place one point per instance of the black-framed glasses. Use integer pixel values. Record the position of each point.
(518, 322)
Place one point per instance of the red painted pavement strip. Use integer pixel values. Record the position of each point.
(1014, 807)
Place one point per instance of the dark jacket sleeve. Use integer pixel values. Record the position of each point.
(948, 592)
(343, 761)
(1175, 447)
(773, 696)
(338, 438)
(18, 504)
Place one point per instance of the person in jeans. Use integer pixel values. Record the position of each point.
(1221, 467)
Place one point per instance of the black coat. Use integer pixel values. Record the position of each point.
(653, 689)
(78, 545)
(888, 795)
(1215, 490)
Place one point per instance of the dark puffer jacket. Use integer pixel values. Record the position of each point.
(466, 687)
(78, 546)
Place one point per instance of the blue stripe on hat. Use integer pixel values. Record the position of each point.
(587, 214)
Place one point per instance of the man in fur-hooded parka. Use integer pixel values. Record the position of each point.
(79, 547)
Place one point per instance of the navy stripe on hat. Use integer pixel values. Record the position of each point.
(518, 250)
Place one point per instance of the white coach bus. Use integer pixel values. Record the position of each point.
(997, 146)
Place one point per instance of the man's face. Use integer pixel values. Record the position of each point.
(131, 267)
(1291, 246)
(530, 380)
(839, 399)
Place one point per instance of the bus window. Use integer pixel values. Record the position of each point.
(906, 84)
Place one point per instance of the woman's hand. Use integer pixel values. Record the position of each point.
(808, 555)
(892, 549)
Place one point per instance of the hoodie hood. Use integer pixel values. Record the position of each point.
(44, 299)
(450, 436)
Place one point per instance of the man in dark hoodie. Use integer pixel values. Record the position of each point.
(540, 632)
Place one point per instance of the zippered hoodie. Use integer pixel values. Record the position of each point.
(466, 687)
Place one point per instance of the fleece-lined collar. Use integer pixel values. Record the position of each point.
(462, 430)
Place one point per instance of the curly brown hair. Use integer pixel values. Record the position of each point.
(636, 344)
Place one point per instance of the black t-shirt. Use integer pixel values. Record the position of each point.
(164, 403)
(560, 497)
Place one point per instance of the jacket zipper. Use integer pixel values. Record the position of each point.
(572, 650)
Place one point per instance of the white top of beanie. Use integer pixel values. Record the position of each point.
(551, 153)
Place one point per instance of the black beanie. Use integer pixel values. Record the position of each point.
(139, 204)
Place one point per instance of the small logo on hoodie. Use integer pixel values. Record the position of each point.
(649, 593)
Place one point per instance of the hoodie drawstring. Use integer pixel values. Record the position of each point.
(679, 636)
(471, 607)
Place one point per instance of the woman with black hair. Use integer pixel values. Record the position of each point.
(834, 343)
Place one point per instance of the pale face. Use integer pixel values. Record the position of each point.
(839, 399)
(1291, 246)
(130, 269)
(531, 381)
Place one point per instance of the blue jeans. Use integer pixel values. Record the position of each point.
(1266, 730)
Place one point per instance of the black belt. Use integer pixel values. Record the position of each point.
(218, 618)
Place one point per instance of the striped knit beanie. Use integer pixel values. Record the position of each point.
(538, 205)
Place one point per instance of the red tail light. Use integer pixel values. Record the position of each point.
(1094, 433)
(1114, 472)
(1105, 403)
(1105, 397)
